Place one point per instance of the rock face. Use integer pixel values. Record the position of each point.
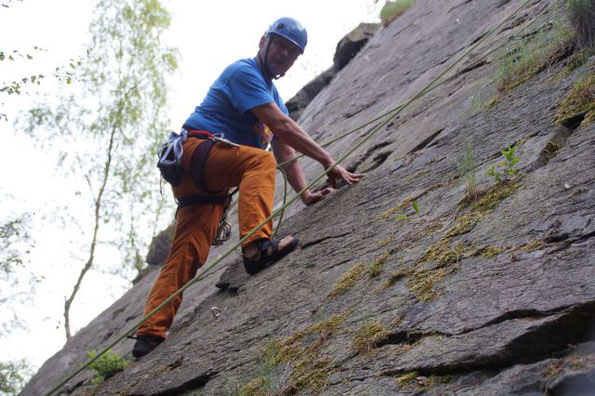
(346, 50)
(488, 296)
(352, 43)
(160, 246)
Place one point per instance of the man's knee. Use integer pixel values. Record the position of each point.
(265, 160)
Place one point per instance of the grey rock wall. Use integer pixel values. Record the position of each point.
(489, 297)
(347, 49)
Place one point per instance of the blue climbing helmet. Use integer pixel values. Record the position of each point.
(290, 29)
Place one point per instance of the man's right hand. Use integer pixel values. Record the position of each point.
(310, 198)
(340, 173)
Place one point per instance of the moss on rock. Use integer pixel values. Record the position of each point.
(348, 280)
(580, 99)
(401, 205)
(303, 353)
(368, 337)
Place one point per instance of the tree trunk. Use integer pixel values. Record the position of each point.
(89, 263)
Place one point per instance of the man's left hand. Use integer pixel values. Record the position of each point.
(339, 173)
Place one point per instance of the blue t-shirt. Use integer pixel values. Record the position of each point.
(226, 108)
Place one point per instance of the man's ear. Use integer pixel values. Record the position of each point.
(262, 41)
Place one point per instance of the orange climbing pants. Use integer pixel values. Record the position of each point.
(227, 166)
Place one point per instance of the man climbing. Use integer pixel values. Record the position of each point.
(244, 107)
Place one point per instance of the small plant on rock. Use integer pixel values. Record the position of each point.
(507, 166)
(466, 167)
(582, 18)
(415, 207)
(106, 366)
(394, 9)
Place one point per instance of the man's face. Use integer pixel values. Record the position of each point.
(281, 54)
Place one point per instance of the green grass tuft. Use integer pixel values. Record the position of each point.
(302, 352)
(466, 167)
(106, 366)
(394, 9)
(529, 55)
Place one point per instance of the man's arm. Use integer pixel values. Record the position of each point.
(295, 176)
(291, 134)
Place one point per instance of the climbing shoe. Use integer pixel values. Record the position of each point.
(145, 344)
(268, 253)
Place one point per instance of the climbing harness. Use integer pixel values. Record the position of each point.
(170, 166)
(390, 115)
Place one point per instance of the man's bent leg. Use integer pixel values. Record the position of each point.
(196, 226)
(253, 171)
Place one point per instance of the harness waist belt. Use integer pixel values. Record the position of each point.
(200, 200)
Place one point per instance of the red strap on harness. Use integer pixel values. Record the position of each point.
(200, 134)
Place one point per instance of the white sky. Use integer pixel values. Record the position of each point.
(209, 36)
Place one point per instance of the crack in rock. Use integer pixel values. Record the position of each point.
(190, 385)
(473, 66)
(320, 240)
(367, 154)
(351, 114)
(542, 340)
(426, 141)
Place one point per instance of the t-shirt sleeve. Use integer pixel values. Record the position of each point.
(247, 90)
(282, 107)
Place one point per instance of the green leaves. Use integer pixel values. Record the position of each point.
(494, 173)
(416, 207)
(13, 376)
(507, 166)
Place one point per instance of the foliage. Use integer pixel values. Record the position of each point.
(12, 232)
(16, 281)
(507, 166)
(106, 366)
(528, 54)
(582, 19)
(466, 167)
(394, 9)
(107, 128)
(415, 206)
(13, 376)
(18, 86)
(6, 3)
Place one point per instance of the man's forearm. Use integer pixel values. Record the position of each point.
(293, 135)
(295, 176)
